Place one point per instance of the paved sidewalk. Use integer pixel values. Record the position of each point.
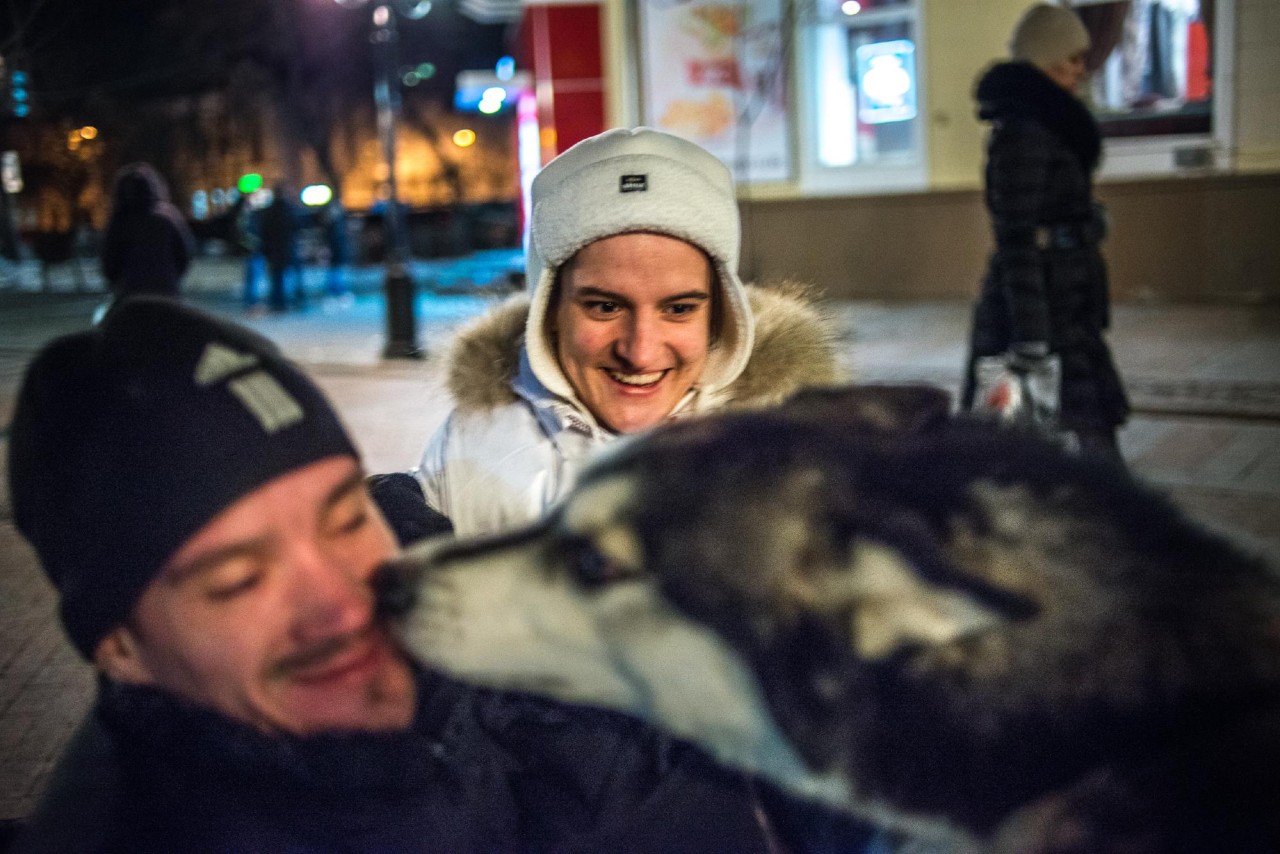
(1205, 382)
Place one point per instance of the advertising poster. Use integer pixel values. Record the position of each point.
(714, 73)
(886, 82)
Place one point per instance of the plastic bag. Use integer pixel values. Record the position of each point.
(1020, 390)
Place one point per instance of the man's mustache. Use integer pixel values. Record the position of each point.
(320, 652)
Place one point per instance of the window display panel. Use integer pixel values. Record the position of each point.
(865, 78)
(714, 72)
(1151, 63)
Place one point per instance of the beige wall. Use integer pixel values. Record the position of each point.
(1213, 239)
(1257, 90)
(1193, 236)
(961, 37)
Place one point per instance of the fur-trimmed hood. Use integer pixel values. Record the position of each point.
(794, 347)
(1009, 90)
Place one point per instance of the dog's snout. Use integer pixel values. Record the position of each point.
(394, 592)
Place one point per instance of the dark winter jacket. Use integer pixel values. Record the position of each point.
(147, 246)
(478, 771)
(1047, 281)
(278, 228)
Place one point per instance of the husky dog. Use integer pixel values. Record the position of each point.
(953, 632)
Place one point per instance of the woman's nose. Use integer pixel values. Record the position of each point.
(640, 344)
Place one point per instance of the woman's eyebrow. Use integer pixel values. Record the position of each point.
(700, 296)
(599, 293)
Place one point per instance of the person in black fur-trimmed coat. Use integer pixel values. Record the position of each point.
(1045, 292)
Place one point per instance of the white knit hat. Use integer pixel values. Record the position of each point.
(1047, 34)
(628, 180)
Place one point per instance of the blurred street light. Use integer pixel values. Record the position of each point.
(402, 325)
(316, 195)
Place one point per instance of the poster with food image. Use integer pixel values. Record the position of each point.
(713, 71)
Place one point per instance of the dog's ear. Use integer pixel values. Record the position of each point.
(885, 408)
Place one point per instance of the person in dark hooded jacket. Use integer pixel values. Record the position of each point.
(147, 246)
(1046, 290)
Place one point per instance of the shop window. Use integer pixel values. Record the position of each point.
(714, 71)
(862, 91)
(1151, 63)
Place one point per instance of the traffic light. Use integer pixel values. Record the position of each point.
(19, 96)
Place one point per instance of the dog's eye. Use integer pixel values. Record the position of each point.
(588, 564)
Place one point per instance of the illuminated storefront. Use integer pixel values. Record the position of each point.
(851, 128)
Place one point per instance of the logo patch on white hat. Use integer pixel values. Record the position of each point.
(633, 184)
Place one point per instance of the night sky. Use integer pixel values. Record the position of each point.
(77, 51)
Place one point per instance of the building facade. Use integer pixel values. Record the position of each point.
(852, 130)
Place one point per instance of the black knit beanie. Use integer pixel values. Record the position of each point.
(129, 437)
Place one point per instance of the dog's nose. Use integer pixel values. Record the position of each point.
(394, 592)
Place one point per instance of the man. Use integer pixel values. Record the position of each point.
(205, 519)
(635, 315)
(278, 232)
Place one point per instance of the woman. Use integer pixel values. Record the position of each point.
(635, 315)
(1045, 293)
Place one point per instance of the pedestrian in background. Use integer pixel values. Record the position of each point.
(333, 221)
(245, 228)
(279, 232)
(1046, 294)
(147, 246)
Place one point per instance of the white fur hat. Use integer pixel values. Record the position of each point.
(1047, 34)
(628, 180)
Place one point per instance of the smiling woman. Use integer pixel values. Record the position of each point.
(635, 315)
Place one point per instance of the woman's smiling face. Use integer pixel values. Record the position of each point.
(632, 321)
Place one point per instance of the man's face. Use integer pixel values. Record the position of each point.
(633, 326)
(266, 613)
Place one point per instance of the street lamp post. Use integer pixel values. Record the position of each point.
(398, 287)
(402, 325)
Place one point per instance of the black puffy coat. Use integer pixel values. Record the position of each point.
(146, 247)
(479, 771)
(1046, 280)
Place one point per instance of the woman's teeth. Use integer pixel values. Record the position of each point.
(637, 379)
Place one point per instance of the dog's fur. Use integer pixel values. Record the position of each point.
(951, 631)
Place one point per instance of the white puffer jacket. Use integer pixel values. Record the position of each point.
(511, 448)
